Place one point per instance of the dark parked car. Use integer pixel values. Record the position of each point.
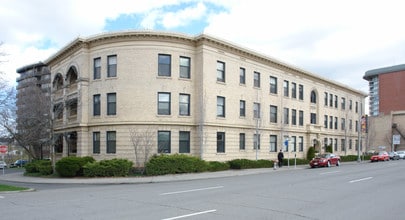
(393, 155)
(325, 160)
(19, 163)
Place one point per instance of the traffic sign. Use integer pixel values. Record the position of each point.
(396, 139)
(3, 149)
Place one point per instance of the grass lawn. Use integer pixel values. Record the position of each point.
(11, 188)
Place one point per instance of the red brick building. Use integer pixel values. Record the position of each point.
(387, 108)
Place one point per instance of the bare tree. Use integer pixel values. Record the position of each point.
(142, 141)
(31, 127)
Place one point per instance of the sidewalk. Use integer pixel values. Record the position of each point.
(19, 177)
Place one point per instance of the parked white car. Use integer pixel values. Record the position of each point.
(3, 165)
(401, 154)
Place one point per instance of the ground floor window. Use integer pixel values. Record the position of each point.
(242, 141)
(164, 142)
(220, 142)
(96, 142)
(111, 142)
(184, 142)
(273, 143)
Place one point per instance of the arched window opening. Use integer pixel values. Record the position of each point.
(71, 76)
(58, 81)
(313, 97)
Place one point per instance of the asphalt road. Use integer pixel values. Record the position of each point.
(352, 191)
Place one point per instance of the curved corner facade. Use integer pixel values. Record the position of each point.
(135, 94)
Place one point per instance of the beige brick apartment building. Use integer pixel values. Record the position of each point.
(197, 95)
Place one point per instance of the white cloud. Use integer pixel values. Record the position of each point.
(182, 17)
(336, 39)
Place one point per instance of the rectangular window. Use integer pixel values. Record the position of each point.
(220, 142)
(273, 85)
(336, 101)
(242, 141)
(331, 100)
(184, 142)
(164, 103)
(72, 105)
(58, 110)
(111, 142)
(96, 142)
(185, 67)
(294, 143)
(357, 107)
(350, 124)
(242, 108)
(350, 144)
(286, 88)
(96, 105)
(331, 122)
(286, 116)
(273, 113)
(343, 103)
(256, 79)
(164, 142)
(350, 104)
(336, 123)
(357, 126)
(336, 144)
(301, 118)
(325, 124)
(220, 71)
(293, 116)
(256, 141)
(301, 143)
(294, 90)
(343, 123)
(313, 118)
(256, 110)
(184, 104)
(111, 103)
(301, 92)
(342, 145)
(165, 65)
(242, 76)
(273, 143)
(326, 99)
(220, 106)
(97, 68)
(112, 66)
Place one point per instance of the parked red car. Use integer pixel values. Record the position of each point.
(325, 160)
(381, 156)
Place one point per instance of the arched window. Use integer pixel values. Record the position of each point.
(71, 76)
(313, 97)
(58, 81)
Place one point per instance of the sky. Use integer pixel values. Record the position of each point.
(338, 40)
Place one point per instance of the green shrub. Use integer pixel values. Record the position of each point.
(249, 164)
(105, 168)
(43, 167)
(217, 166)
(72, 166)
(174, 163)
(310, 153)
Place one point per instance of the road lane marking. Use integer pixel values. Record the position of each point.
(1, 197)
(330, 172)
(191, 190)
(363, 179)
(192, 214)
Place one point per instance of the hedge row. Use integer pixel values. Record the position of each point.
(103, 168)
(42, 167)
